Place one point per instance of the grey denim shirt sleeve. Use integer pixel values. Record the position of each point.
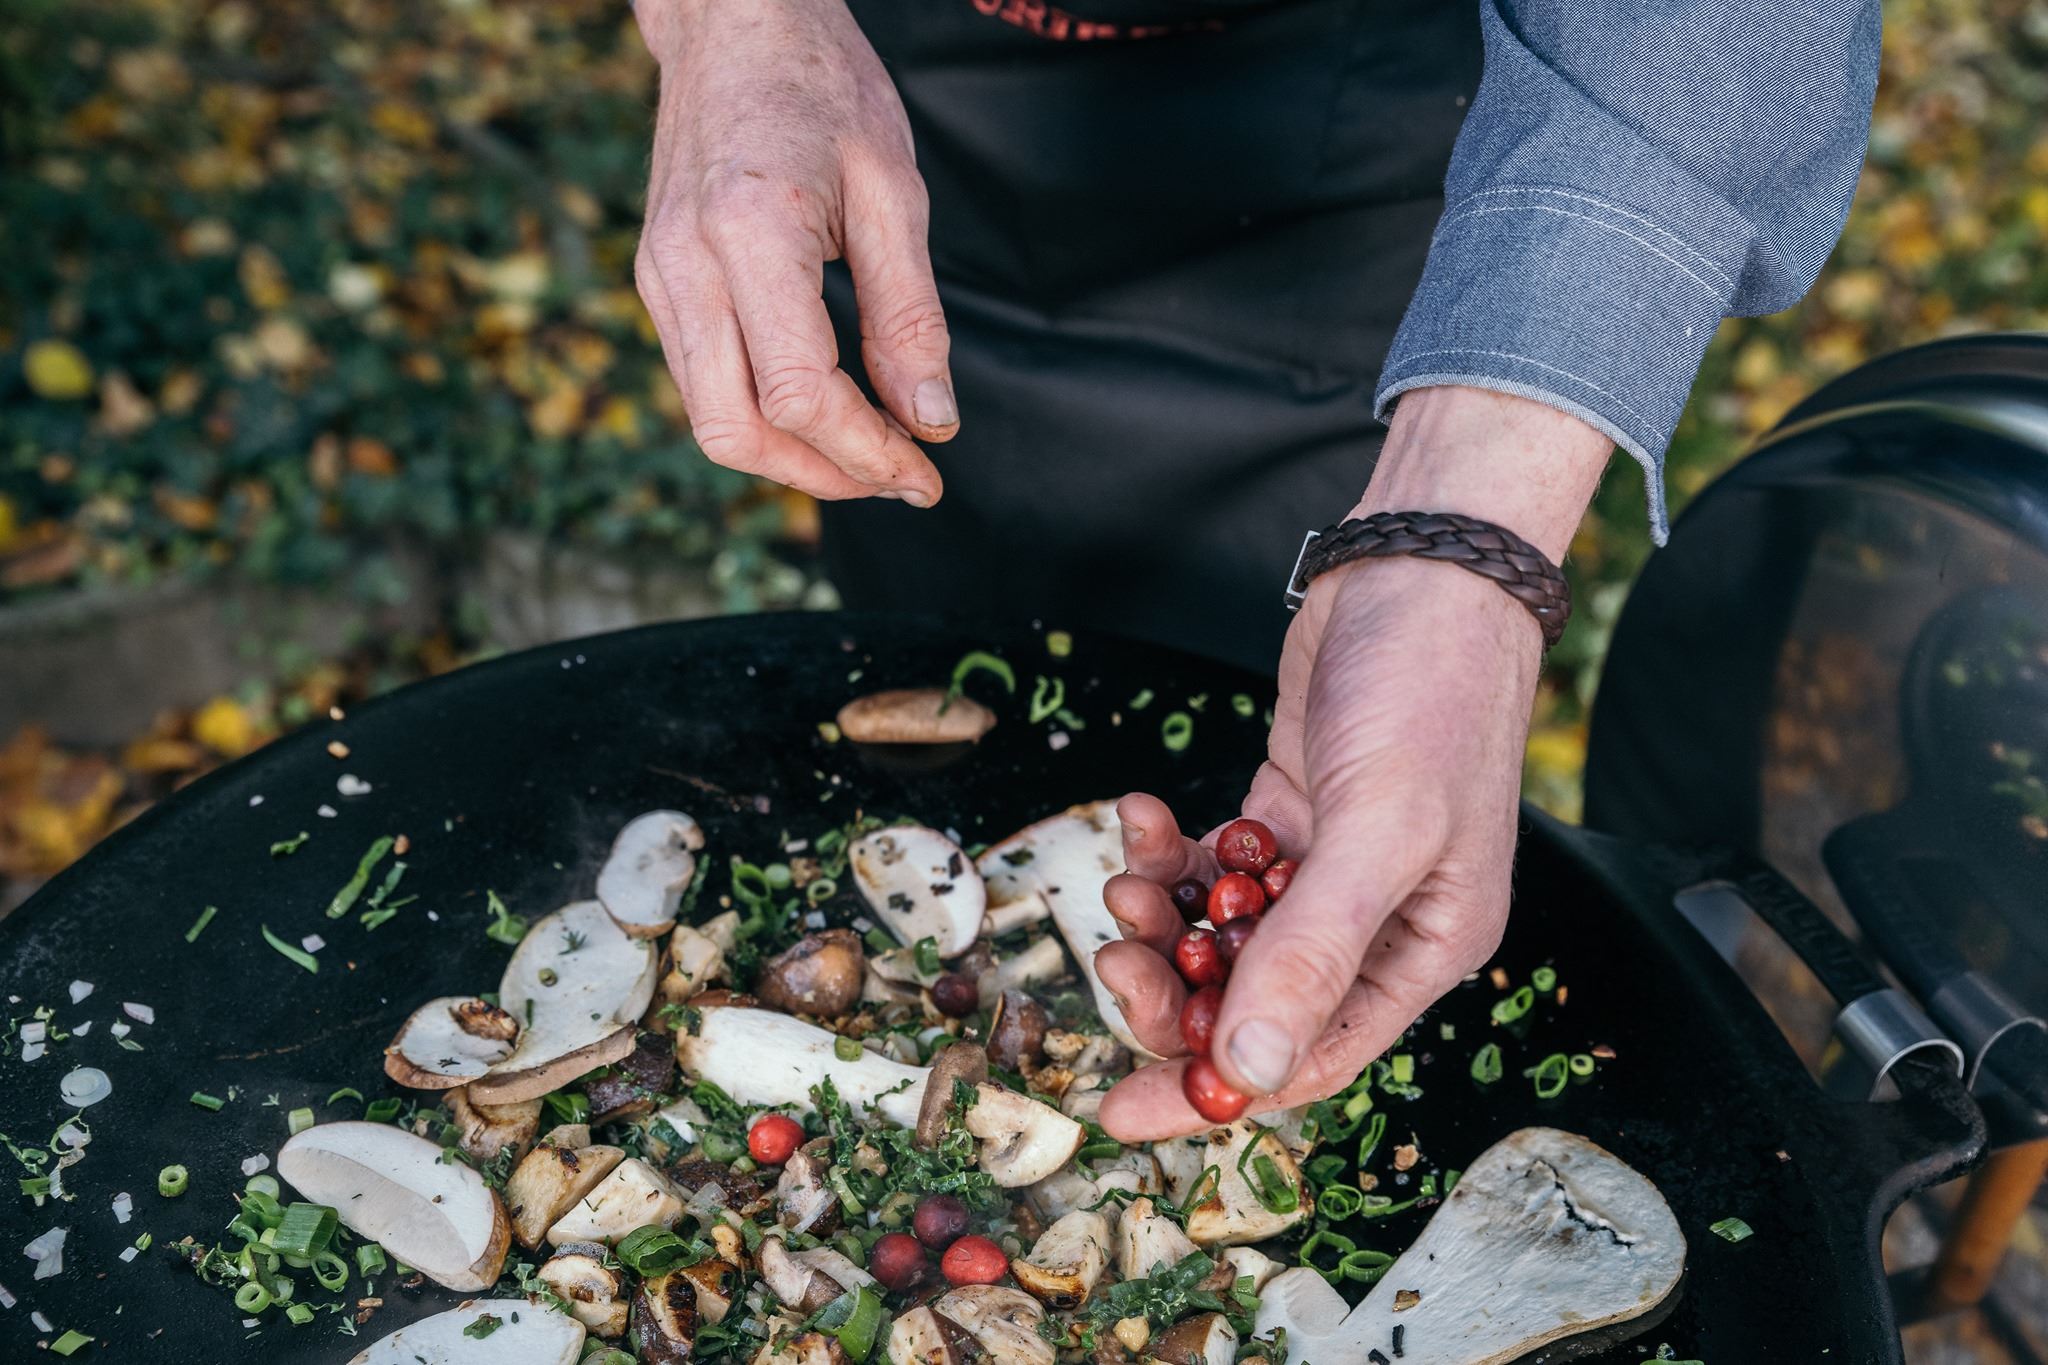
(1631, 173)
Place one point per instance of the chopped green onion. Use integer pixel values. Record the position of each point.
(652, 1251)
(847, 1049)
(1142, 700)
(1733, 1230)
(284, 848)
(290, 951)
(262, 1209)
(1059, 643)
(299, 1314)
(1582, 1063)
(1544, 979)
(1451, 1181)
(353, 888)
(69, 1343)
(1243, 705)
(1403, 1065)
(346, 1092)
(262, 1184)
(1551, 1075)
(35, 1186)
(1338, 1202)
(1370, 1143)
(1047, 696)
(485, 1324)
(1177, 731)
(252, 1298)
(382, 1111)
(370, 1259)
(1199, 702)
(1486, 1065)
(330, 1270)
(298, 1121)
(828, 731)
(199, 925)
(1509, 1008)
(820, 889)
(856, 1319)
(306, 1231)
(1364, 1266)
(878, 940)
(1337, 1242)
(924, 954)
(505, 927)
(981, 661)
(206, 1101)
(172, 1180)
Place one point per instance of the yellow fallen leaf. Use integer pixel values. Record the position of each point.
(370, 456)
(57, 370)
(10, 524)
(123, 409)
(263, 278)
(225, 726)
(159, 754)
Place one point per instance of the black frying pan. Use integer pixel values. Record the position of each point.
(513, 775)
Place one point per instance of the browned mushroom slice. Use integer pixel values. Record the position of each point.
(715, 1283)
(662, 1328)
(918, 715)
(652, 863)
(449, 1041)
(594, 1292)
(802, 1200)
(488, 1129)
(628, 1090)
(580, 984)
(1004, 1322)
(955, 1063)
(550, 1179)
(1017, 1033)
(920, 885)
(820, 974)
(634, 1195)
(1066, 1260)
(1204, 1339)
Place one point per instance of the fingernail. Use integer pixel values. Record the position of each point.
(933, 404)
(889, 493)
(1263, 1053)
(916, 497)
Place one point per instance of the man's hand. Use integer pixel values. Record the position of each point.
(1392, 774)
(781, 145)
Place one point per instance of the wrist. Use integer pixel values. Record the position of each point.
(1513, 461)
(663, 24)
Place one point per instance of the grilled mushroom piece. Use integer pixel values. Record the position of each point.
(820, 974)
(802, 1201)
(488, 1129)
(594, 1292)
(520, 1333)
(628, 1090)
(652, 863)
(581, 984)
(920, 885)
(662, 1327)
(715, 1282)
(808, 1280)
(695, 961)
(550, 1179)
(1234, 1215)
(450, 1041)
(1147, 1238)
(1003, 1322)
(1205, 1339)
(953, 1064)
(808, 1348)
(1022, 1141)
(1038, 965)
(1066, 1261)
(634, 1195)
(1016, 1036)
(915, 715)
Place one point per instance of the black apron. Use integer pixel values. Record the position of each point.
(1173, 240)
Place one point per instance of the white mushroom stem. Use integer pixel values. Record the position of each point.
(1042, 962)
(521, 1333)
(1552, 1234)
(1062, 863)
(578, 984)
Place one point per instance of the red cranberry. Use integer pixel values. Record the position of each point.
(1198, 1018)
(940, 1220)
(1276, 878)
(1246, 845)
(1198, 959)
(897, 1261)
(774, 1138)
(956, 994)
(1232, 937)
(1209, 1093)
(1236, 895)
(974, 1260)
(1191, 898)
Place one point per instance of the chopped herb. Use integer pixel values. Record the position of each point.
(69, 1343)
(199, 925)
(847, 1049)
(1509, 1008)
(290, 950)
(1177, 731)
(1544, 979)
(206, 1101)
(1142, 700)
(1059, 643)
(284, 848)
(485, 1324)
(1047, 696)
(345, 898)
(572, 941)
(924, 954)
(1243, 705)
(1733, 1230)
(505, 927)
(981, 661)
(1486, 1064)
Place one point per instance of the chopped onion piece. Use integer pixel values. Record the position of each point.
(80, 990)
(47, 1251)
(31, 1051)
(71, 1137)
(128, 1253)
(80, 1030)
(42, 1323)
(84, 1085)
(256, 1163)
(348, 784)
(256, 800)
(34, 1031)
(119, 1028)
(7, 1300)
(326, 812)
(141, 1014)
(312, 943)
(124, 1207)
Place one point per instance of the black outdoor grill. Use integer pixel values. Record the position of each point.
(512, 776)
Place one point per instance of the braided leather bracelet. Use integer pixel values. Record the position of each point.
(1479, 546)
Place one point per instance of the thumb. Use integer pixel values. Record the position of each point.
(904, 341)
(1292, 976)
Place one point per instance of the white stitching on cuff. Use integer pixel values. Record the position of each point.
(1712, 293)
(1616, 399)
(1677, 241)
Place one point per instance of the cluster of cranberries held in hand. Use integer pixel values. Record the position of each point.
(1254, 876)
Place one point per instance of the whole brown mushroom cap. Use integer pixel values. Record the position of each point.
(820, 974)
(955, 1062)
(1018, 1031)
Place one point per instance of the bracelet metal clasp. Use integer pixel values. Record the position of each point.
(1297, 591)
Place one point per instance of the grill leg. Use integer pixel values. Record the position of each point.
(1997, 1196)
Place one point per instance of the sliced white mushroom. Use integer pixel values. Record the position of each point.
(448, 1041)
(1302, 1303)
(521, 1333)
(1070, 1188)
(1552, 1234)
(1022, 1141)
(1062, 863)
(1002, 1320)
(1038, 965)
(695, 962)
(397, 1190)
(672, 1129)
(1205, 1339)
(579, 985)
(651, 865)
(1066, 1260)
(1146, 1240)
(1249, 1263)
(552, 1177)
(762, 1058)
(1233, 1214)
(920, 885)
(595, 1293)
(634, 1195)
(917, 1337)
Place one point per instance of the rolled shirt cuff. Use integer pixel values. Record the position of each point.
(1563, 296)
